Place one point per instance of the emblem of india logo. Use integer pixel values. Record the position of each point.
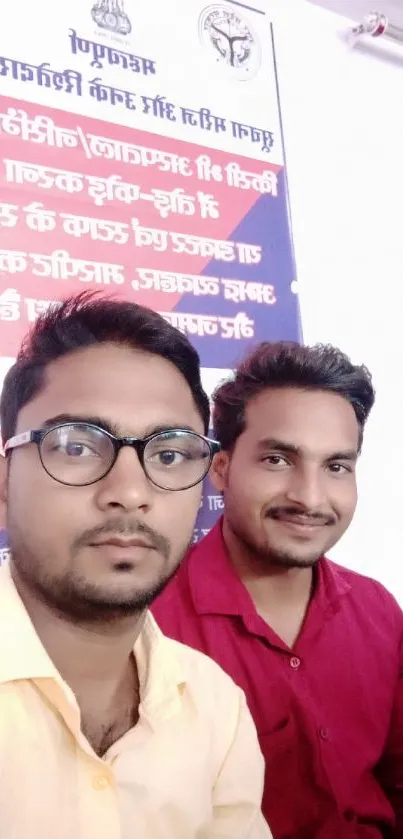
(111, 15)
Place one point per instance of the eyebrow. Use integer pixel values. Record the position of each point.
(290, 448)
(110, 427)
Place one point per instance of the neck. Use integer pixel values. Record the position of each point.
(270, 585)
(89, 656)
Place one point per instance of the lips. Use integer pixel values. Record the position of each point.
(301, 521)
(119, 542)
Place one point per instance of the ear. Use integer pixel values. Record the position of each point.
(219, 470)
(3, 490)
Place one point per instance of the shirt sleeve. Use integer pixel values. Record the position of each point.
(237, 793)
(390, 770)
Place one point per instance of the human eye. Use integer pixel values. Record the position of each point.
(340, 469)
(168, 457)
(275, 461)
(77, 448)
(73, 443)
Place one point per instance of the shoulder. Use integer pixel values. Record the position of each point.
(209, 689)
(366, 592)
(204, 676)
(177, 666)
(215, 707)
(359, 581)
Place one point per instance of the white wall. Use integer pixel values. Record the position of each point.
(343, 123)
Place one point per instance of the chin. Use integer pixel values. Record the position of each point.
(289, 562)
(288, 556)
(303, 561)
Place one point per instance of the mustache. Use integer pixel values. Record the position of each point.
(305, 515)
(128, 528)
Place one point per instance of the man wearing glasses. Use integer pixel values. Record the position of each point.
(107, 728)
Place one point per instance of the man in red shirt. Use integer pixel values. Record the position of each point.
(317, 648)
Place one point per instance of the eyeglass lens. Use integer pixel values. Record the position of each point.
(80, 454)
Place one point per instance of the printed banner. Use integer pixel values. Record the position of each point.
(142, 154)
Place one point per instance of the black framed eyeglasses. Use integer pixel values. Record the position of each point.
(80, 454)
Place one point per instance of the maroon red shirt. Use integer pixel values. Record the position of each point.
(329, 712)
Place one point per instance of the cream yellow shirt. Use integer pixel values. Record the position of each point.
(190, 768)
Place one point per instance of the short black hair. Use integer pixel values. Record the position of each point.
(82, 321)
(290, 365)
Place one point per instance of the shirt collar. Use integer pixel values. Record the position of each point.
(22, 655)
(217, 589)
(215, 586)
(162, 671)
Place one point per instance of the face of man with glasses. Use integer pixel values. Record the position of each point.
(105, 479)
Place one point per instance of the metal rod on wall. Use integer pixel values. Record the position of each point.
(376, 25)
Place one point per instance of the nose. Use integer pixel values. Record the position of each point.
(126, 486)
(306, 488)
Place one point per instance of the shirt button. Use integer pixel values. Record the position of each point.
(324, 733)
(295, 662)
(100, 782)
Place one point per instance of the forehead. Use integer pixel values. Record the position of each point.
(315, 421)
(127, 387)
